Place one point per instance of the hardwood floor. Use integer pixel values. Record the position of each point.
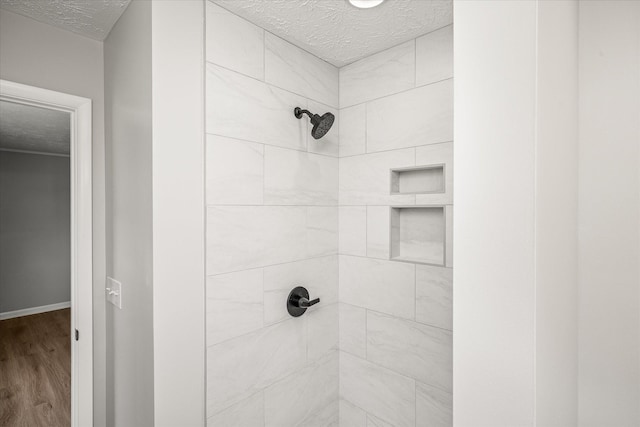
(35, 370)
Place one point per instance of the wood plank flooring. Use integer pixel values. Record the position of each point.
(35, 370)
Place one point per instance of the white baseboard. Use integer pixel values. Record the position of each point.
(34, 310)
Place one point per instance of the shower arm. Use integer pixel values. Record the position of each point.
(299, 112)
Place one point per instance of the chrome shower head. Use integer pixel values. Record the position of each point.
(321, 124)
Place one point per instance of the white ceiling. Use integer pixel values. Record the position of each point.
(340, 33)
(330, 29)
(28, 128)
(90, 18)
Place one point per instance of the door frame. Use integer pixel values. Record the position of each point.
(81, 236)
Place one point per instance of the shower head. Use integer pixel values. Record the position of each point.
(321, 124)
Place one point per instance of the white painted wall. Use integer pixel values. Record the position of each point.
(609, 215)
(515, 224)
(155, 114)
(177, 50)
(40, 55)
(35, 234)
(494, 154)
(129, 219)
(556, 201)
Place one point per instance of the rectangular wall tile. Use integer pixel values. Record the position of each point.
(318, 275)
(417, 117)
(235, 238)
(238, 368)
(353, 330)
(291, 68)
(234, 305)
(351, 416)
(449, 236)
(352, 233)
(437, 154)
(390, 71)
(434, 296)
(376, 422)
(434, 407)
(244, 108)
(246, 413)
(428, 359)
(378, 233)
(233, 42)
(329, 416)
(322, 231)
(234, 171)
(329, 144)
(322, 329)
(434, 56)
(298, 178)
(353, 128)
(242, 237)
(294, 399)
(366, 179)
(379, 391)
(384, 286)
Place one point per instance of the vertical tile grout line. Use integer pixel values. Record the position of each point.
(338, 257)
(415, 63)
(264, 320)
(536, 135)
(264, 175)
(339, 305)
(264, 56)
(366, 231)
(415, 292)
(205, 150)
(366, 136)
(366, 334)
(415, 402)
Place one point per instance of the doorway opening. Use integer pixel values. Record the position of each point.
(46, 249)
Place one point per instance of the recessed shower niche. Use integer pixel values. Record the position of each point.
(418, 180)
(418, 234)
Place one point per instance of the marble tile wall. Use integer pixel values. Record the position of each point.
(272, 224)
(284, 209)
(395, 329)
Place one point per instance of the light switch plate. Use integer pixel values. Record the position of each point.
(114, 292)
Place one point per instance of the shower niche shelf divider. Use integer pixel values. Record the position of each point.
(418, 234)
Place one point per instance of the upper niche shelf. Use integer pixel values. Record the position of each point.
(418, 180)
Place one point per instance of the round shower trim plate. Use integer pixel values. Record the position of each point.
(365, 4)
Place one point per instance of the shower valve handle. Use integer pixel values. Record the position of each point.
(298, 301)
(305, 303)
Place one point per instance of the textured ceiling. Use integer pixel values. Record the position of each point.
(90, 18)
(340, 33)
(28, 128)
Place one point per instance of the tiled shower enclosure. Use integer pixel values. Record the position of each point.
(362, 218)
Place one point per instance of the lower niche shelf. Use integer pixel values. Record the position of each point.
(418, 234)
